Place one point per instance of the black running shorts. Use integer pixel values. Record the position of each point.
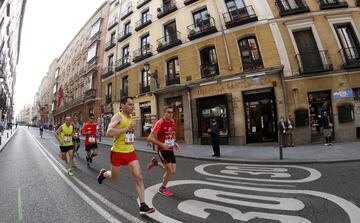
(65, 149)
(91, 146)
(167, 156)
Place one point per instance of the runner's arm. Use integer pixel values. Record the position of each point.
(112, 131)
(57, 134)
(153, 138)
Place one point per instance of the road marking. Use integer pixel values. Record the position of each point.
(314, 174)
(352, 210)
(20, 210)
(248, 183)
(99, 209)
(198, 209)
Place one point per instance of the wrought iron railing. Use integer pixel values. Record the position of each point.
(209, 70)
(166, 8)
(201, 26)
(169, 40)
(351, 57)
(240, 15)
(320, 62)
(290, 7)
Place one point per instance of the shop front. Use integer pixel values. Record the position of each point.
(213, 108)
(260, 115)
(145, 114)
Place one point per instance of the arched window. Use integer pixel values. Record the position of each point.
(209, 64)
(125, 86)
(250, 54)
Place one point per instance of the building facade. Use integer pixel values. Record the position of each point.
(11, 20)
(77, 79)
(320, 48)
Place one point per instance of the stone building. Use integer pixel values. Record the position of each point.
(78, 88)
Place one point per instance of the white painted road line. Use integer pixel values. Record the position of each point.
(109, 204)
(248, 183)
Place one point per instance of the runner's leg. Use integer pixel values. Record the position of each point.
(135, 169)
(169, 172)
(113, 173)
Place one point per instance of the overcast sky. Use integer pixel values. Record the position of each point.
(49, 26)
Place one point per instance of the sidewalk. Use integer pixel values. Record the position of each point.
(313, 153)
(5, 137)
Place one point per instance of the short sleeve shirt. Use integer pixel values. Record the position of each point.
(165, 132)
(90, 138)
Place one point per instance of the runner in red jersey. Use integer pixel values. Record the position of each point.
(163, 135)
(91, 147)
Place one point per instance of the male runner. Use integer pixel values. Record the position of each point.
(64, 135)
(123, 153)
(91, 147)
(163, 135)
(41, 128)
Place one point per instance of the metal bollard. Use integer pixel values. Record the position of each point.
(281, 152)
(7, 134)
(0, 138)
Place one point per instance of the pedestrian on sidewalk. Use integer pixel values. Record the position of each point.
(64, 135)
(122, 152)
(163, 135)
(214, 132)
(91, 147)
(282, 132)
(326, 126)
(290, 124)
(41, 128)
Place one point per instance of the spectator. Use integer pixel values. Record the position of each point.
(326, 126)
(214, 132)
(290, 131)
(282, 132)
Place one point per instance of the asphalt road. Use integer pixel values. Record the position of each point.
(35, 188)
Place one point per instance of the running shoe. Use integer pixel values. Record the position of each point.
(70, 173)
(144, 209)
(166, 192)
(101, 176)
(152, 163)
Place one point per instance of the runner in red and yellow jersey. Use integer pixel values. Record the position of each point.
(123, 153)
(91, 147)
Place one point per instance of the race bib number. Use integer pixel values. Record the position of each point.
(129, 138)
(91, 139)
(170, 142)
(76, 135)
(67, 138)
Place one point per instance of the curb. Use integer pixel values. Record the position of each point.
(4, 145)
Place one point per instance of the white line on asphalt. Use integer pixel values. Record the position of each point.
(20, 210)
(92, 192)
(247, 183)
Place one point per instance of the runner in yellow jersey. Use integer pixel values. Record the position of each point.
(123, 153)
(64, 135)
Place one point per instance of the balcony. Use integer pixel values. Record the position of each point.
(168, 42)
(107, 71)
(357, 2)
(90, 94)
(166, 9)
(123, 35)
(351, 57)
(201, 28)
(188, 2)
(96, 36)
(142, 23)
(68, 104)
(291, 7)
(110, 44)
(141, 3)
(314, 62)
(122, 63)
(252, 65)
(173, 81)
(240, 16)
(144, 89)
(113, 23)
(209, 70)
(142, 53)
(128, 12)
(332, 4)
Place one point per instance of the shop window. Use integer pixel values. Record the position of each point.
(346, 113)
(301, 118)
(250, 54)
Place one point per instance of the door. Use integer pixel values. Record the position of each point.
(308, 50)
(177, 104)
(260, 114)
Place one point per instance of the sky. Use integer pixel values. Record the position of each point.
(48, 27)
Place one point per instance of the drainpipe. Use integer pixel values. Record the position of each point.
(190, 113)
(224, 37)
(284, 88)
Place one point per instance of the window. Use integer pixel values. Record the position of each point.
(250, 54)
(127, 29)
(145, 78)
(349, 42)
(200, 16)
(125, 54)
(173, 71)
(110, 61)
(145, 16)
(234, 4)
(209, 64)
(170, 32)
(95, 28)
(109, 93)
(346, 113)
(290, 4)
(145, 44)
(125, 86)
(88, 83)
(92, 52)
(112, 38)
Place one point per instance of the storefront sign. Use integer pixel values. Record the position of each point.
(343, 94)
(145, 105)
